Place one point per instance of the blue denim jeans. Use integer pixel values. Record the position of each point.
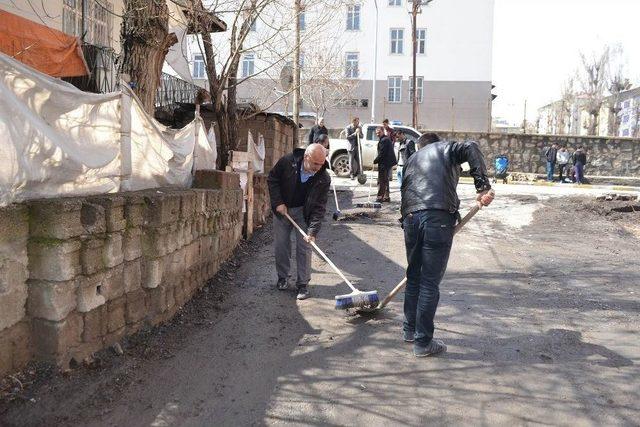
(551, 166)
(428, 236)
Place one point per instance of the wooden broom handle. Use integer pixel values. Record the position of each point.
(322, 254)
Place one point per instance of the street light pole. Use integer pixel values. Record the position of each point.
(375, 67)
(414, 36)
(296, 66)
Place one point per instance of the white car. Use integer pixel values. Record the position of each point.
(339, 157)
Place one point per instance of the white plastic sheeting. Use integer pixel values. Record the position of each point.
(60, 141)
(257, 152)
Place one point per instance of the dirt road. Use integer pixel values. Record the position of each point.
(539, 309)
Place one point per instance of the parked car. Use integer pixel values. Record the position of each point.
(340, 158)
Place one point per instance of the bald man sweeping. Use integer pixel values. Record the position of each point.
(298, 185)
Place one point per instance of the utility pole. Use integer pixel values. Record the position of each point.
(375, 67)
(524, 120)
(415, 10)
(296, 66)
(414, 37)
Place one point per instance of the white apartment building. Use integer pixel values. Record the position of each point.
(455, 39)
(558, 118)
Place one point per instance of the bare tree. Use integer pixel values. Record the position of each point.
(593, 78)
(617, 85)
(145, 41)
(567, 100)
(263, 28)
(324, 83)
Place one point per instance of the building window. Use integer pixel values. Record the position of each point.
(302, 21)
(99, 20)
(199, 70)
(395, 88)
(248, 66)
(420, 81)
(625, 132)
(72, 17)
(626, 104)
(397, 36)
(395, 2)
(351, 65)
(625, 119)
(421, 38)
(353, 17)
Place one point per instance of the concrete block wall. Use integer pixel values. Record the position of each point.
(79, 274)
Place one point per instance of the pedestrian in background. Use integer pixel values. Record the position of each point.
(353, 133)
(386, 160)
(562, 158)
(317, 130)
(406, 147)
(579, 161)
(551, 153)
(388, 130)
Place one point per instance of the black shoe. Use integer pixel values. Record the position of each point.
(282, 284)
(434, 347)
(303, 293)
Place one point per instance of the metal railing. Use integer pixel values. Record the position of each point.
(103, 78)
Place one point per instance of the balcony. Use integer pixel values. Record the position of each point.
(103, 78)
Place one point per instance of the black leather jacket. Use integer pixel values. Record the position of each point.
(282, 184)
(431, 175)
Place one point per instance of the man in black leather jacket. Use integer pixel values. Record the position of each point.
(429, 214)
(298, 185)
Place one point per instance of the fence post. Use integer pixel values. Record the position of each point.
(125, 137)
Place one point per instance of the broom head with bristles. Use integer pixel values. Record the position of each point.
(359, 299)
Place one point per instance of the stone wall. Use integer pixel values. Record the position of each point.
(605, 156)
(78, 274)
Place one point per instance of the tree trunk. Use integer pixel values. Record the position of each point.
(145, 43)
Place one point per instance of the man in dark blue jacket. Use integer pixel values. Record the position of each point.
(298, 185)
(429, 214)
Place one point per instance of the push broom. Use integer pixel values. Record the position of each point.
(356, 299)
(474, 210)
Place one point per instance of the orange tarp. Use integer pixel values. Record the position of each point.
(45, 49)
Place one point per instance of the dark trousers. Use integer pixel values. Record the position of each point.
(561, 168)
(428, 236)
(354, 163)
(579, 172)
(384, 176)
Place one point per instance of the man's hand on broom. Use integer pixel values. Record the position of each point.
(281, 209)
(310, 239)
(486, 197)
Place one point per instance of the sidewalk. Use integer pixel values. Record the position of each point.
(372, 179)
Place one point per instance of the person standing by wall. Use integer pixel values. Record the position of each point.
(386, 160)
(317, 130)
(579, 161)
(563, 161)
(354, 131)
(551, 153)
